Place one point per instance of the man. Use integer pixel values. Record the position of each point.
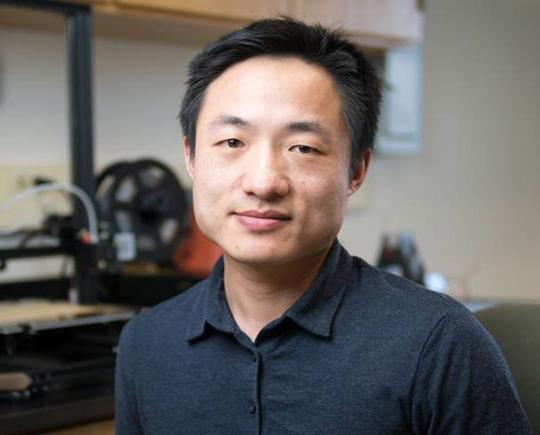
(290, 334)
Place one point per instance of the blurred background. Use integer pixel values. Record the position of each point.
(455, 172)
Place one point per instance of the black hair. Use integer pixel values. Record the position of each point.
(356, 81)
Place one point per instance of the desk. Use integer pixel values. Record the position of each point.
(105, 427)
(58, 409)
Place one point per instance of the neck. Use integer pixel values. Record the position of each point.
(259, 294)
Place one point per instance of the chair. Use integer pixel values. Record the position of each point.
(516, 328)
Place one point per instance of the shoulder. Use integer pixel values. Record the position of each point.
(416, 322)
(434, 328)
(396, 317)
(393, 300)
(169, 318)
(443, 359)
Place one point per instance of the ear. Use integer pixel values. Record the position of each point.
(188, 157)
(360, 172)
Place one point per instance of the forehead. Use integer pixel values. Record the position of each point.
(276, 90)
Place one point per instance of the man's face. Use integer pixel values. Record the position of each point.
(271, 166)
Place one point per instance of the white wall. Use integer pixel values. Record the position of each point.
(471, 197)
(137, 86)
(138, 91)
(33, 100)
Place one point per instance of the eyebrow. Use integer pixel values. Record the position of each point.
(225, 120)
(309, 127)
(293, 127)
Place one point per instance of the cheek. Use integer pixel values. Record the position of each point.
(211, 188)
(200, 207)
(203, 197)
(206, 179)
(328, 200)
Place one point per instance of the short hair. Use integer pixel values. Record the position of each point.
(356, 81)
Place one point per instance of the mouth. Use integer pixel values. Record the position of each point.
(259, 221)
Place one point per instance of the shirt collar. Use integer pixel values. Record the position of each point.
(210, 307)
(314, 311)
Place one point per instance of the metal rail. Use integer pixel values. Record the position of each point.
(79, 61)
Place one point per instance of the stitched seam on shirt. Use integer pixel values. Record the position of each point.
(263, 389)
(138, 386)
(420, 357)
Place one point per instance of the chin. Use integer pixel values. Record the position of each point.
(259, 256)
(275, 253)
(260, 251)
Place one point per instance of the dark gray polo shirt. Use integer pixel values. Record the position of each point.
(361, 352)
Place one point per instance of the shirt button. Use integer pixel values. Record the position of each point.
(254, 357)
(252, 409)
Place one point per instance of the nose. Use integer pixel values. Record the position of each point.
(265, 174)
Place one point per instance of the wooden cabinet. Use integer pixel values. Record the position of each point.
(236, 10)
(96, 3)
(375, 23)
(382, 23)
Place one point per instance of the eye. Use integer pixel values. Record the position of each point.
(303, 149)
(232, 143)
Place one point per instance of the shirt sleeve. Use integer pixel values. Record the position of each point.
(463, 384)
(127, 419)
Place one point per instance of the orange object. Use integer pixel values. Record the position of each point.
(195, 255)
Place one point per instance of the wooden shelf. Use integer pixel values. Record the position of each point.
(376, 24)
(132, 25)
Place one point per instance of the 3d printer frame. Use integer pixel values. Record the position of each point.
(79, 61)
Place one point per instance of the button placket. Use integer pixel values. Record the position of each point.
(252, 408)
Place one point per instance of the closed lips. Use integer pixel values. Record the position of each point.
(267, 214)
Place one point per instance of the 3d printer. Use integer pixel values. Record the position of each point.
(130, 230)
